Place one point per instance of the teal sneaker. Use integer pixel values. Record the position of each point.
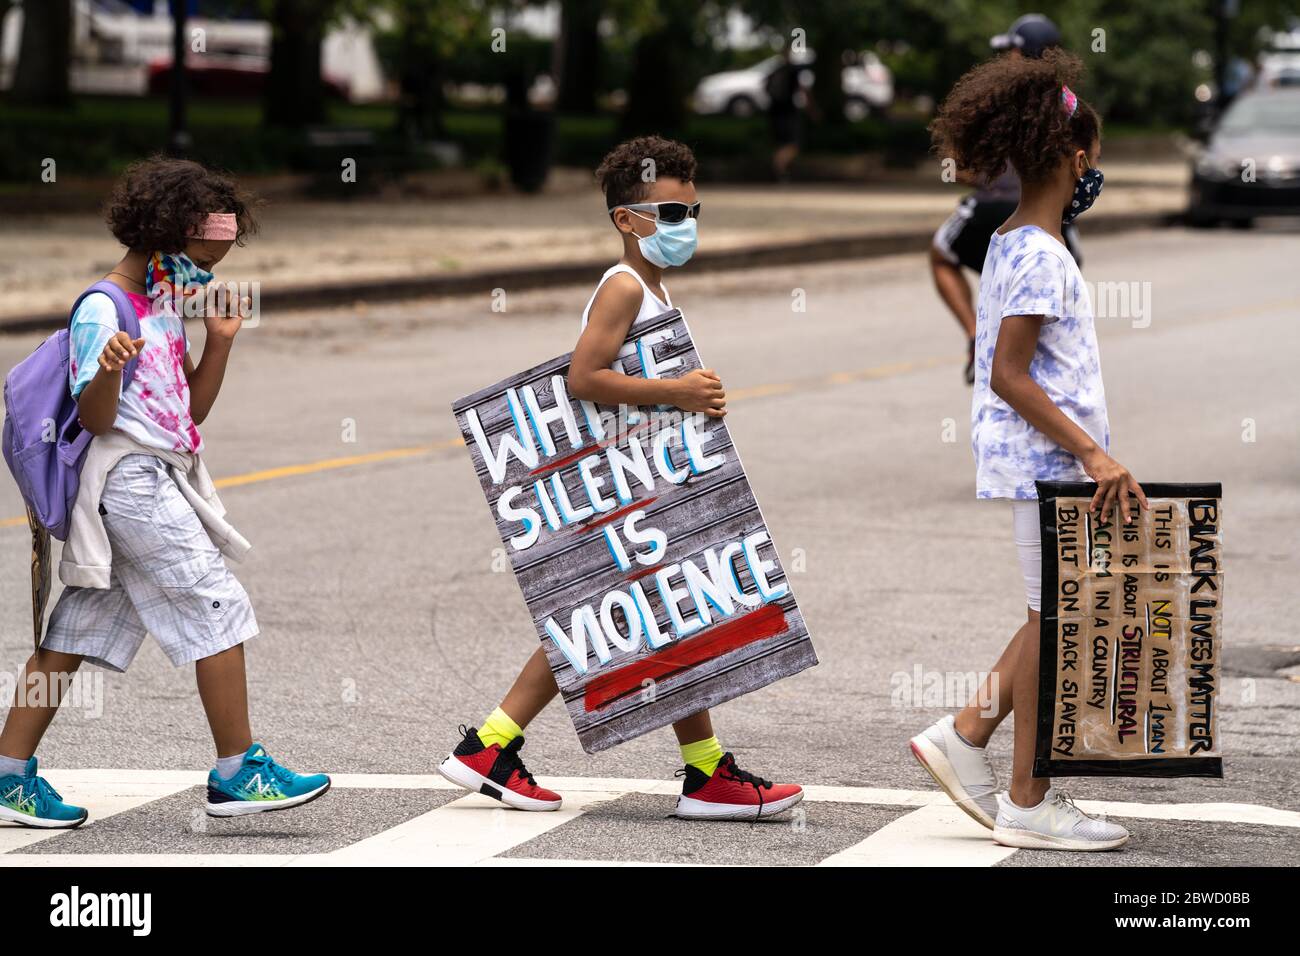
(261, 785)
(32, 802)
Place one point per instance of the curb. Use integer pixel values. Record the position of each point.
(860, 246)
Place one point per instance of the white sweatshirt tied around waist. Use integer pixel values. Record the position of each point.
(87, 560)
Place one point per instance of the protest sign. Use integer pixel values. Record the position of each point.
(1131, 641)
(645, 563)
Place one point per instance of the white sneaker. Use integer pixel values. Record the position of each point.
(964, 772)
(1055, 824)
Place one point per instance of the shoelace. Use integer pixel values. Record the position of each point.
(45, 791)
(263, 762)
(1065, 800)
(513, 762)
(731, 772)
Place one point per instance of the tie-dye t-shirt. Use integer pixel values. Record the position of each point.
(1027, 272)
(155, 408)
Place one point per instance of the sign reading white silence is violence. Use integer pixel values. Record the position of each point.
(641, 553)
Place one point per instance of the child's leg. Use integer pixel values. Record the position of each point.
(532, 690)
(700, 747)
(973, 721)
(1026, 789)
(27, 722)
(223, 688)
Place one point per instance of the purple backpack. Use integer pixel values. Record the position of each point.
(44, 443)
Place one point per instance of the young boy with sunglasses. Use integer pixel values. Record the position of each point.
(650, 196)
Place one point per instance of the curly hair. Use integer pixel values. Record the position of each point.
(160, 202)
(621, 174)
(1009, 109)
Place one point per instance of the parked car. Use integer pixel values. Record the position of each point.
(232, 75)
(868, 87)
(1250, 166)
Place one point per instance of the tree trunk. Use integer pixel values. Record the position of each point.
(662, 76)
(577, 56)
(294, 94)
(41, 76)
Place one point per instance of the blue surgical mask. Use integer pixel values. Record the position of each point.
(671, 244)
(1086, 191)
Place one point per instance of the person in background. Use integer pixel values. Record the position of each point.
(787, 101)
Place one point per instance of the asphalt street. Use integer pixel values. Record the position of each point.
(385, 624)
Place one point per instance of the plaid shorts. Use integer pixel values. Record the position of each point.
(168, 579)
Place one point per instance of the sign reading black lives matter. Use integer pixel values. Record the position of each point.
(641, 553)
(1132, 634)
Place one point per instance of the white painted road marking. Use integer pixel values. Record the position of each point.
(461, 832)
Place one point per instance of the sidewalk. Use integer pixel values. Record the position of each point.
(312, 253)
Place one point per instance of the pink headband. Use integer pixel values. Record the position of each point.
(218, 225)
(1069, 102)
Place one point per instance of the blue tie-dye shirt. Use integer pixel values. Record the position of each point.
(1027, 272)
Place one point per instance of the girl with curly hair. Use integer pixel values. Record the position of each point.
(1038, 411)
(147, 535)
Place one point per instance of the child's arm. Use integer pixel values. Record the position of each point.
(97, 403)
(1011, 380)
(591, 379)
(205, 378)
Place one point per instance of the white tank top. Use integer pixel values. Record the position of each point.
(651, 304)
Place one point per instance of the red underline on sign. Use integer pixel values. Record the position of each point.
(644, 572)
(767, 621)
(614, 515)
(586, 450)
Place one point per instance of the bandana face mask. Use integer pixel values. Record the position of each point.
(174, 276)
(1086, 191)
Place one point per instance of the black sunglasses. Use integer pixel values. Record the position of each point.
(669, 212)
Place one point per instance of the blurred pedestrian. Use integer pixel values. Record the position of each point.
(1039, 412)
(787, 102)
(963, 239)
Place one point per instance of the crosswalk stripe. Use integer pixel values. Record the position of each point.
(101, 801)
(456, 834)
(460, 832)
(73, 781)
(936, 835)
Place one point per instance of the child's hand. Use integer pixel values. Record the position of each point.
(118, 350)
(226, 325)
(1113, 486)
(701, 391)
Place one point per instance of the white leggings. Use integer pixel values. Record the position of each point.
(1024, 517)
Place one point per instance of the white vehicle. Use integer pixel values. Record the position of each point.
(868, 87)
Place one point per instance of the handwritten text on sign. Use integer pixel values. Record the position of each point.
(1133, 618)
(643, 558)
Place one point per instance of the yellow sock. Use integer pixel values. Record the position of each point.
(499, 729)
(703, 755)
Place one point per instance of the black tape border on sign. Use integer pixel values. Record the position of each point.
(1044, 765)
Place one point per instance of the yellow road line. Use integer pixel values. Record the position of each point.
(396, 454)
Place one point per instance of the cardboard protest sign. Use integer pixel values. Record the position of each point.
(641, 553)
(1132, 631)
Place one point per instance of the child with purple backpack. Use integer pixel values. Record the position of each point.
(120, 476)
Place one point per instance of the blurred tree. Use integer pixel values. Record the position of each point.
(294, 95)
(1140, 57)
(416, 39)
(44, 53)
(666, 62)
(577, 56)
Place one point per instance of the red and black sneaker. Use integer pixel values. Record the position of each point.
(497, 772)
(732, 794)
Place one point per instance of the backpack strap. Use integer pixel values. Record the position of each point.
(127, 320)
